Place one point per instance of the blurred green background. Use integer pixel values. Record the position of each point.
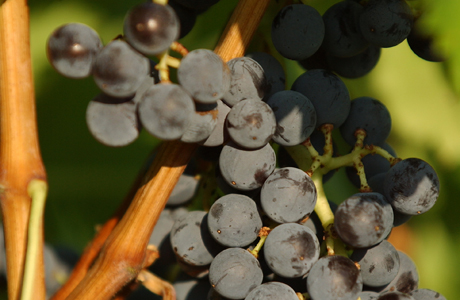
(87, 180)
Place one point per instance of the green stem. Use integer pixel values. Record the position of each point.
(259, 245)
(37, 190)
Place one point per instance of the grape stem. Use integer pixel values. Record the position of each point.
(263, 233)
(38, 190)
(20, 158)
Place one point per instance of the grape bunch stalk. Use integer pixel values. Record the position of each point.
(231, 205)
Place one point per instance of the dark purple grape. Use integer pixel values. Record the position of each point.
(411, 186)
(151, 27)
(297, 31)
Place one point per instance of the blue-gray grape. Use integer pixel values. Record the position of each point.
(291, 249)
(246, 169)
(251, 123)
(334, 278)
(379, 264)
(165, 111)
(234, 221)
(272, 291)
(234, 273)
(426, 294)
(112, 123)
(119, 70)
(395, 296)
(72, 48)
(364, 219)
(204, 75)
(247, 81)
(288, 195)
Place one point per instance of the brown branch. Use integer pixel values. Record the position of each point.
(123, 254)
(20, 159)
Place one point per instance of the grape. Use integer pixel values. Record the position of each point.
(246, 169)
(355, 66)
(247, 81)
(426, 294)
(422, 45)
(165, 111)
(297, 31)
(204, 75)
(411, 186)
(273, 71)
(219, 135)
(334, 278)
(327, 93)
(395, 296)
(200, 127)
(379, 264)
(295, 117)
(291, 249)
(316, 61)
(342, 36)
(234, 273)
(272, 291)
(234, 221)
(189, 288)
(119, 70)
(112, 123)
(251, 123)
(386, 23)
(200, 5)
(151, 28)
(371, 115)
(366, 295)
(72, 48)
(363, 219)
(191, 240)
(186, 17)
(407, 278)
(184, 190)
(288, 195)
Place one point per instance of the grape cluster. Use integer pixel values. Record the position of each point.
(249, 218)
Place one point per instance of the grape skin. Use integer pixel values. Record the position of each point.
(295, 117)
(251, 123)
(246, 169)
(112, 123)
(328, 94)
(426, 294)
(151, 27)
(204, 75)
(273, 71)
(334, 278)
(272, 291)
(247, 81)
(288, 195)
(119, 70)
(297, 31)
(411, 186)
(379, 264)
(234, 273)
(364, 219)
(291, 249)
(234, 221)
(165, 111)
(72, 48)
